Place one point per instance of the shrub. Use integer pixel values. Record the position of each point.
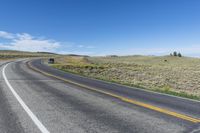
(179, 55)
(175, 53)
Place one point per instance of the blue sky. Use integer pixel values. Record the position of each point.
(101, 27)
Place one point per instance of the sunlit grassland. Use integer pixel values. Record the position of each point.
(173, 75)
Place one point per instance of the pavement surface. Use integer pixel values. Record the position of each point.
(34, 102)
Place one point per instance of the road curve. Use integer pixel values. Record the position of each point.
(181, 105)
(63, 107)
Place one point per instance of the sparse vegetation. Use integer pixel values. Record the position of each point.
(167, 74)
(9, 54)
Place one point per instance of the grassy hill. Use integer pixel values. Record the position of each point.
(168, 74)
(10, 54)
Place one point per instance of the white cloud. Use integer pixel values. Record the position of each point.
(27, 42)
(83, 46)
(6, 35)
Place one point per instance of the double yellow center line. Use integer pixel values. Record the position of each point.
(124, 99)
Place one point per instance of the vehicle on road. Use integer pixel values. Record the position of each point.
(51, 61)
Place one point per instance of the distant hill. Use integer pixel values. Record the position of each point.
(77, 55)
(47, 53)
(6, 54)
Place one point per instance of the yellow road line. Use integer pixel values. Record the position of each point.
(128, 100)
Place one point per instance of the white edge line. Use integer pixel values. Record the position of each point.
(24, 106)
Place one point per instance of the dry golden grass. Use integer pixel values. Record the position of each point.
(9, 54)
(165, 74)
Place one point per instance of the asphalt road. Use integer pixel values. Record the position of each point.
(31, 102)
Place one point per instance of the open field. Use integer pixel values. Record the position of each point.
(173, 75)
(9, 54)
